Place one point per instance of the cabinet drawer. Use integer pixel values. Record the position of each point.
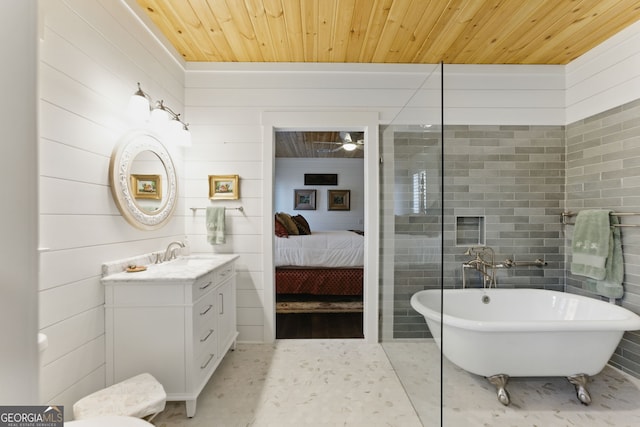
(223, 273)
(203, 285)
(204, 340)
(205, 313)
(205, 361)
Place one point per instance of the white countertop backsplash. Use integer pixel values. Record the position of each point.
(120, 265)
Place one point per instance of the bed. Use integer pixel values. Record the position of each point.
(321, 263)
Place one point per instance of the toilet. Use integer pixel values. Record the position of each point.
(140, 396)
(109, 421)
(120, 404)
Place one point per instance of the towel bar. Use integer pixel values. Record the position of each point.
(239, 208)
(564, 216)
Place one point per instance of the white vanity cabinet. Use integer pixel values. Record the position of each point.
(175, 321)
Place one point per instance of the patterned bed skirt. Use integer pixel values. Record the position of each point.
(319, 281)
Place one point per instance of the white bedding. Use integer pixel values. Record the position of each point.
(320, 249)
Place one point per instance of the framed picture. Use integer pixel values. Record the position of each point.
(339, 200)
(146, 186)
(304, 200)
(223, 187)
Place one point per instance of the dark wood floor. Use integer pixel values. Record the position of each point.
(319, 325)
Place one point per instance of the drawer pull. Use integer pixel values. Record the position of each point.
(202, 288)
(209, 307)
(206, 337)
(221, 303)
(208, 361)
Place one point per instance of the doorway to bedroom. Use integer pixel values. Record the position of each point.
(319, 216)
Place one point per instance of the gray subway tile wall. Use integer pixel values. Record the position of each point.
(512, 177)
(603, 172)
(519, 179)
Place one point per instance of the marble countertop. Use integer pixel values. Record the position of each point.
(184, 268)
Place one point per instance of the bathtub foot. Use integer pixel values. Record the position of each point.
(580, 383)
(500, 381)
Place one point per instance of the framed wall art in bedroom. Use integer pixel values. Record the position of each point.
(338, 200)
(304, 200)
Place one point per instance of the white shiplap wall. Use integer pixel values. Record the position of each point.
(92, 53)
(605, 77)
(504, 94)
(488, 94)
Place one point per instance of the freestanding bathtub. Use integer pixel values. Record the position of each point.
(498, 333)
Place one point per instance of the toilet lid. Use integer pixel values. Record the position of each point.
(109, 421)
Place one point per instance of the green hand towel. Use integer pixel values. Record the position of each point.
(611, 285)
(215, 225)
(590, 245)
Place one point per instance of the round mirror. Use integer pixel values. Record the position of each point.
(143, 180)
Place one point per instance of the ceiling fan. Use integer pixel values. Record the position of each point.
(347, 143)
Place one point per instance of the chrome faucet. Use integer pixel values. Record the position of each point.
(170, 253)
(480, 264)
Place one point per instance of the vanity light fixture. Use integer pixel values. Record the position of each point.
(175, 124)
(184, 136)
(179, 130)
(139, 106)
(160, 116)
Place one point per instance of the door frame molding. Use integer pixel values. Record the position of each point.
(321, 121)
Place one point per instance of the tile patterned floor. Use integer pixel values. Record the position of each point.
(351, 383)
(300, 383)
(469, 400)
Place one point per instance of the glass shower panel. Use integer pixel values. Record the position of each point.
(450, 195)
(411, 236)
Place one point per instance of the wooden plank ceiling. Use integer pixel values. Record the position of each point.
(385, 31)
(389, 31)
(316, 144)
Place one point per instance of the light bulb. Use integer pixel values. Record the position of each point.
(159, 116)
(174, 128)
(349, 146)
(138, 108)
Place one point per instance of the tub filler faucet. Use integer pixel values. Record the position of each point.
(481, 264)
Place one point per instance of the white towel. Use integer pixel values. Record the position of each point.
(215, 225)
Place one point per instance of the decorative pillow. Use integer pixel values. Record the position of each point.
(280, 230)
(285, 219)
(303, 225)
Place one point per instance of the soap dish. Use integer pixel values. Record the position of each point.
(135, 268)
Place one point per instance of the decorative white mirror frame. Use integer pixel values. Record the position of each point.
(129, 146)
